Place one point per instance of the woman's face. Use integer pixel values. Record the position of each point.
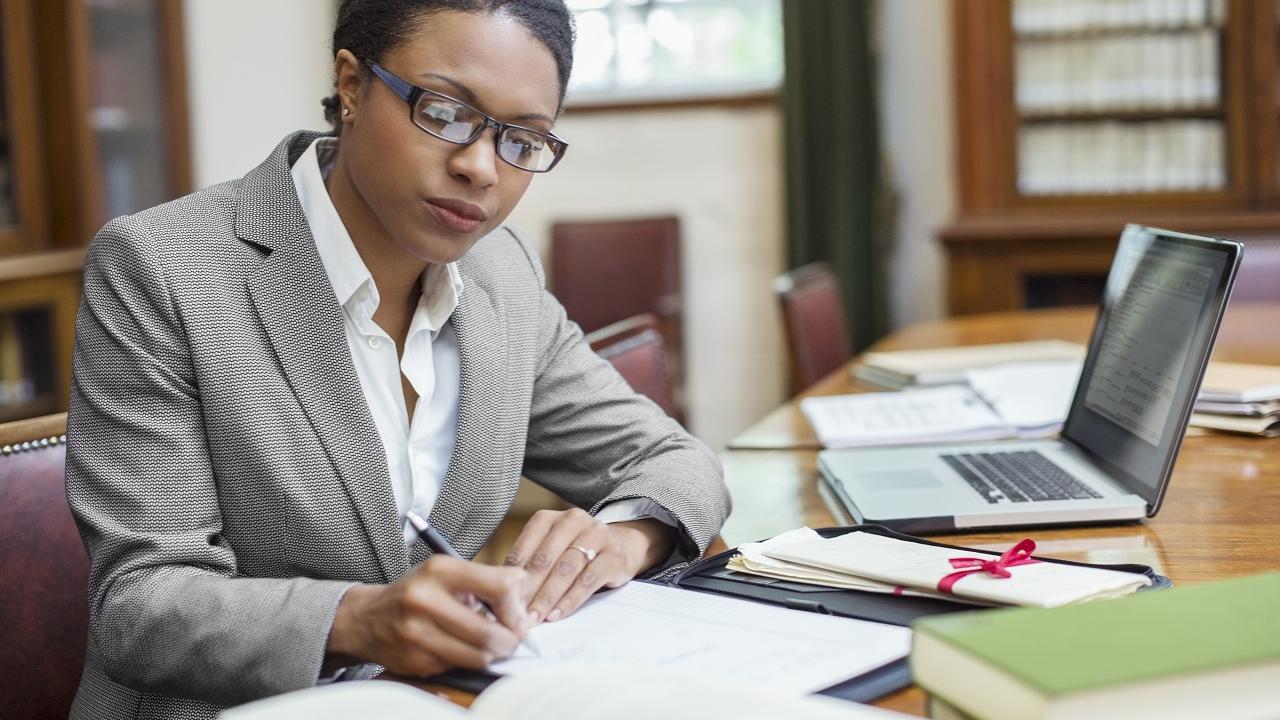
(433, 198)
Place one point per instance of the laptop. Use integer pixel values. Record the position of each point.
(1164, 299)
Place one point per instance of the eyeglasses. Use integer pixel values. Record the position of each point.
(457, 122)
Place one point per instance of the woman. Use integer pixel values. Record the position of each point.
(271, 373)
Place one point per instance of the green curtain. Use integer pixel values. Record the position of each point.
(837, 209)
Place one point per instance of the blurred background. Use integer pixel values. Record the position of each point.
(886, 163)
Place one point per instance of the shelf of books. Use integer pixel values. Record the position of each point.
(1117, 97)
(1075, 117)
(104, 135)
(129, 107)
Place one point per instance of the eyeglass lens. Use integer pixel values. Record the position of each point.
(459, 123)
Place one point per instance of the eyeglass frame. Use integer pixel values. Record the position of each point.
(411, 93)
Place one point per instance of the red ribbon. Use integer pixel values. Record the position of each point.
(1019, 554)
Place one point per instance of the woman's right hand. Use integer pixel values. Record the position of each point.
(423, 624)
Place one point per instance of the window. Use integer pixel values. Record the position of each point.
(639, 49)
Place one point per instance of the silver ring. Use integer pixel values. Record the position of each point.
(591, 554)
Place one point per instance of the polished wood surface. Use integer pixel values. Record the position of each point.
(1218, 520)
(1250, 333)
(997, 248)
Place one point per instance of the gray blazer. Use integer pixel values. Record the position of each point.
(226, 475)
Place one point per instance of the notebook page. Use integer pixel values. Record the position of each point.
(345, 700)
(930, 414)
(628, 693)
(654, 626)
(1033, 396)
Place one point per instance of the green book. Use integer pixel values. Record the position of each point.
(1203, 651)
(938, 709)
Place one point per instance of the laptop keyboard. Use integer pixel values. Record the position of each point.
(1017, 476)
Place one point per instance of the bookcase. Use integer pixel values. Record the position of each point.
(93, 124)
(1074, 117)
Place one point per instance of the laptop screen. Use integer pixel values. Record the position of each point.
(1164, 298)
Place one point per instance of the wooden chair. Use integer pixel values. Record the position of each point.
(635, 348)
(44, 573)
(1259, 274)
(607, 271)
(816, 327)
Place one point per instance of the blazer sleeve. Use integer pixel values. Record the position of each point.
(168, 611)
(593, 440)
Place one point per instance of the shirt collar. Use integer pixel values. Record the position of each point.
(441, 284)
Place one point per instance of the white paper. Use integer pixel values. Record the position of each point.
(344, 700)
(941, 414)
(628, 693)
(1032, 397)
(702, 635)
(753, 558)
(912, 564)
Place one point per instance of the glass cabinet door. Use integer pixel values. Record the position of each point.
(129, 109)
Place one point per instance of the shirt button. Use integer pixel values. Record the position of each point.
(375, 342)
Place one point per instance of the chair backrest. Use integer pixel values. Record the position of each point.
(1259, 276)
(607, 271)
(44, 573)
(817, 329)
(634, 347)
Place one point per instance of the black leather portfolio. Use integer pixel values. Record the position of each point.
(712, 575)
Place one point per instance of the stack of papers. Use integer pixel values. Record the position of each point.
(947, 366)
(753, 558)
(865, 561)
(1014, 400)
(1240, 398)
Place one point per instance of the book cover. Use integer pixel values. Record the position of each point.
(1176, 633)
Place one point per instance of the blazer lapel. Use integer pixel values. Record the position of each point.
(480, 327)
(296, 304)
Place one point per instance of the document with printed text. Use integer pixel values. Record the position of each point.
(704, 635)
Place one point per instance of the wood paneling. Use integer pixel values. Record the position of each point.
(985, 275)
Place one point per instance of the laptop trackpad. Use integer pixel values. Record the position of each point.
(897, 479)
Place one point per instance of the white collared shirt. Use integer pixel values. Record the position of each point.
(418, 450)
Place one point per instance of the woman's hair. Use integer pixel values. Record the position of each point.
(370, 28)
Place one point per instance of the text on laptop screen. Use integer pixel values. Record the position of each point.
(1157, 316)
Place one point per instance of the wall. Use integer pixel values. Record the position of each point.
(252, 81)
(256, 72)
(916, 112)
(720, 171)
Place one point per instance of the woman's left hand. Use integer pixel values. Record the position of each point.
(569, 555)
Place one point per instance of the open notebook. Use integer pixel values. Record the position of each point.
(567, 693)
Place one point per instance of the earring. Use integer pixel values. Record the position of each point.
(346, 111)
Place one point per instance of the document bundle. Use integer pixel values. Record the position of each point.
(1241, 398)
(873, 562)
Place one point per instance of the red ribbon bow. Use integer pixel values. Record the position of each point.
(1019, 554)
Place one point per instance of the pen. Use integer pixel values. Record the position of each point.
(437, 543)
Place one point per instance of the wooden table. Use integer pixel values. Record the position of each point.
(1250, 333)
(1220, 518)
